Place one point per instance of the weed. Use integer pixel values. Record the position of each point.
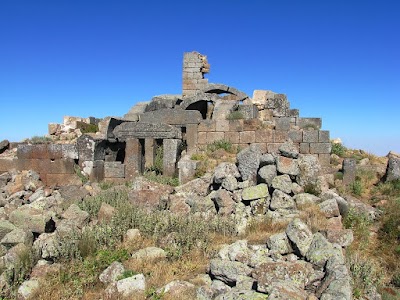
(311, 188)
(221, 144)
(312, 215)
(127, 274)
(81, 176)
(235, 115)
(40, 140)
(157, 166)
(338, 149)
(357, 187)
(88, 128)
(106, 185)
(152, 176)
(338, 175)
(359, 223)
(391, 188)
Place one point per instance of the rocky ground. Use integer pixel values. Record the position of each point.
(304, 257)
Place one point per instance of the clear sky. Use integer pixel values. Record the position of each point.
(338, 60)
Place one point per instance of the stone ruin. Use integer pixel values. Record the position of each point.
(204, 113)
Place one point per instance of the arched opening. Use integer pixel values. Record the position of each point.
(200, 106)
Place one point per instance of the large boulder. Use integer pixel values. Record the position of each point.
(267, 174)
(300, 236)
(255, 192)
(286, 165)
(320, 250)
(248, 162)
(279, 243)
(224, 170)
(224, 202)
(76, 216)
(309, 169)
(393, 168)
(126, 287)
(17, 236)
(112, 273)
(149, 253)
(288, 149)
(29, 218)
(280, 200)
(282, 183)
(228, 271)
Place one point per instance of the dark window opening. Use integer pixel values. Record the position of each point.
(200, 106)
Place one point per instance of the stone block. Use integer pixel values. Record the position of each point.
(323, 136)
(349, 170)
(262, 146)
(97, 172)
(214, 136)
(282, 123)
(248, 111)
(236, 125)
(273, 147)
(47, 166)
(149, 154)
(247, 137)
(266, 115)
(310, 136)
(187, 170)
(61, 179)
(133, 158)
(222, 125)
(310, 123)
(281, 136)
(293, 112)
(207, 125)
(53, 128)
(141, 130)
(304, 148)
(171, 148)
(251, 125)
(202, 138)
(264, 136)
(7, 164)
(320, 148)
(191, 137)
(114, 169)
(324, 159)
(296, 136)
(171, 116)
(232, 137)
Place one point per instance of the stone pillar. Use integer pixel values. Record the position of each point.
(191, 137)
(171, 147)
(195, 66)
(133, 158)
(187, 169)
(349, 170)
(149, 152)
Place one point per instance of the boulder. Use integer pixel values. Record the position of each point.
(106, 212)
(219, 288)
(267, 174)
(237, 251)
(132, 235)
(393, 168)
(305, 198)
(77, 216)
(17, 236)
(282, 183)
(5, 227)
(255, 192)
(279, 243)
(288, 149)
(4, 144)
(177, 288)
(27, 289)
(200, 204)
(286, 165)
(149, 253)
(224, 203)
(198, 186)
(260, 206)
(177, 204)
(284, 289)
(280, 200)
(229, 183)
(29, 218)
(297, 273)
(112, 273)
(47, 245)
(248, 162)
(320, 250)
(71, 193)
(343, 237)
(126, 287)
(228, 271)
(330, 208)
(267, 159)
(223, 170)
(300, 235)
(309, 169)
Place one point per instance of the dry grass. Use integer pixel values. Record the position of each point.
(311, 215)
(259, 231)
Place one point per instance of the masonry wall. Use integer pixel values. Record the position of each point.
(242, 133)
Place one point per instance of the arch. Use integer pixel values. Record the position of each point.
(199, 105)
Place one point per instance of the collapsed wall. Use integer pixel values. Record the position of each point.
(123, 148)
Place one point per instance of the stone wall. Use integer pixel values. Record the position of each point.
(195, 66)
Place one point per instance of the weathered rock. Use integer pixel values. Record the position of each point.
(296, 188)
(132, 235)
(309, 169)
(223, 170)
(330, 208)
(248, 162)
(106, 212)
(27, 289)
(200, 204)
(244, 283)
(149, 253)
(126, 287)
(237, 251)
(228, 271)
(73, 193)
(5, 227)
(282, 183)
(27, 217)
(112, 273)
(47, 245)
(229, 183)
(297, 273)
(4, 144)
(255, 192)
(260, 206)
(286, 165)
(267, 174)
(288, 149)
(219, 288)
(280, 200)
(198, 186)
(341, 202)
(224, 203)
(177, 288)
(343, 237)
(267, 159)
(320, 250)
(178, 205)
(300, 235)
(17, 236)
(393, 169)
(284, 289)
(349, 170)
(75, 215)
(279, 243)
(305, 198)
(259, 255)
(237, 294)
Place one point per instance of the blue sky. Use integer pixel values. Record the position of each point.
(338, 60)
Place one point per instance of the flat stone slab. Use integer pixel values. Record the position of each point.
(141, 130)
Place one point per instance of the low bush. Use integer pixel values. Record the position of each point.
(221, 144)
(338, 149)
(235, 115)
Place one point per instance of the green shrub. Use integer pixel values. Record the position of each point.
(338, 149)
(40, 140)
(311, 188)
(390, 188)
(153, 176)
(127, 274)
(357, 187)
(338, 175)
(235, 115)
(221, 144)
(359, 223)
(88, 128)
(81, 176)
